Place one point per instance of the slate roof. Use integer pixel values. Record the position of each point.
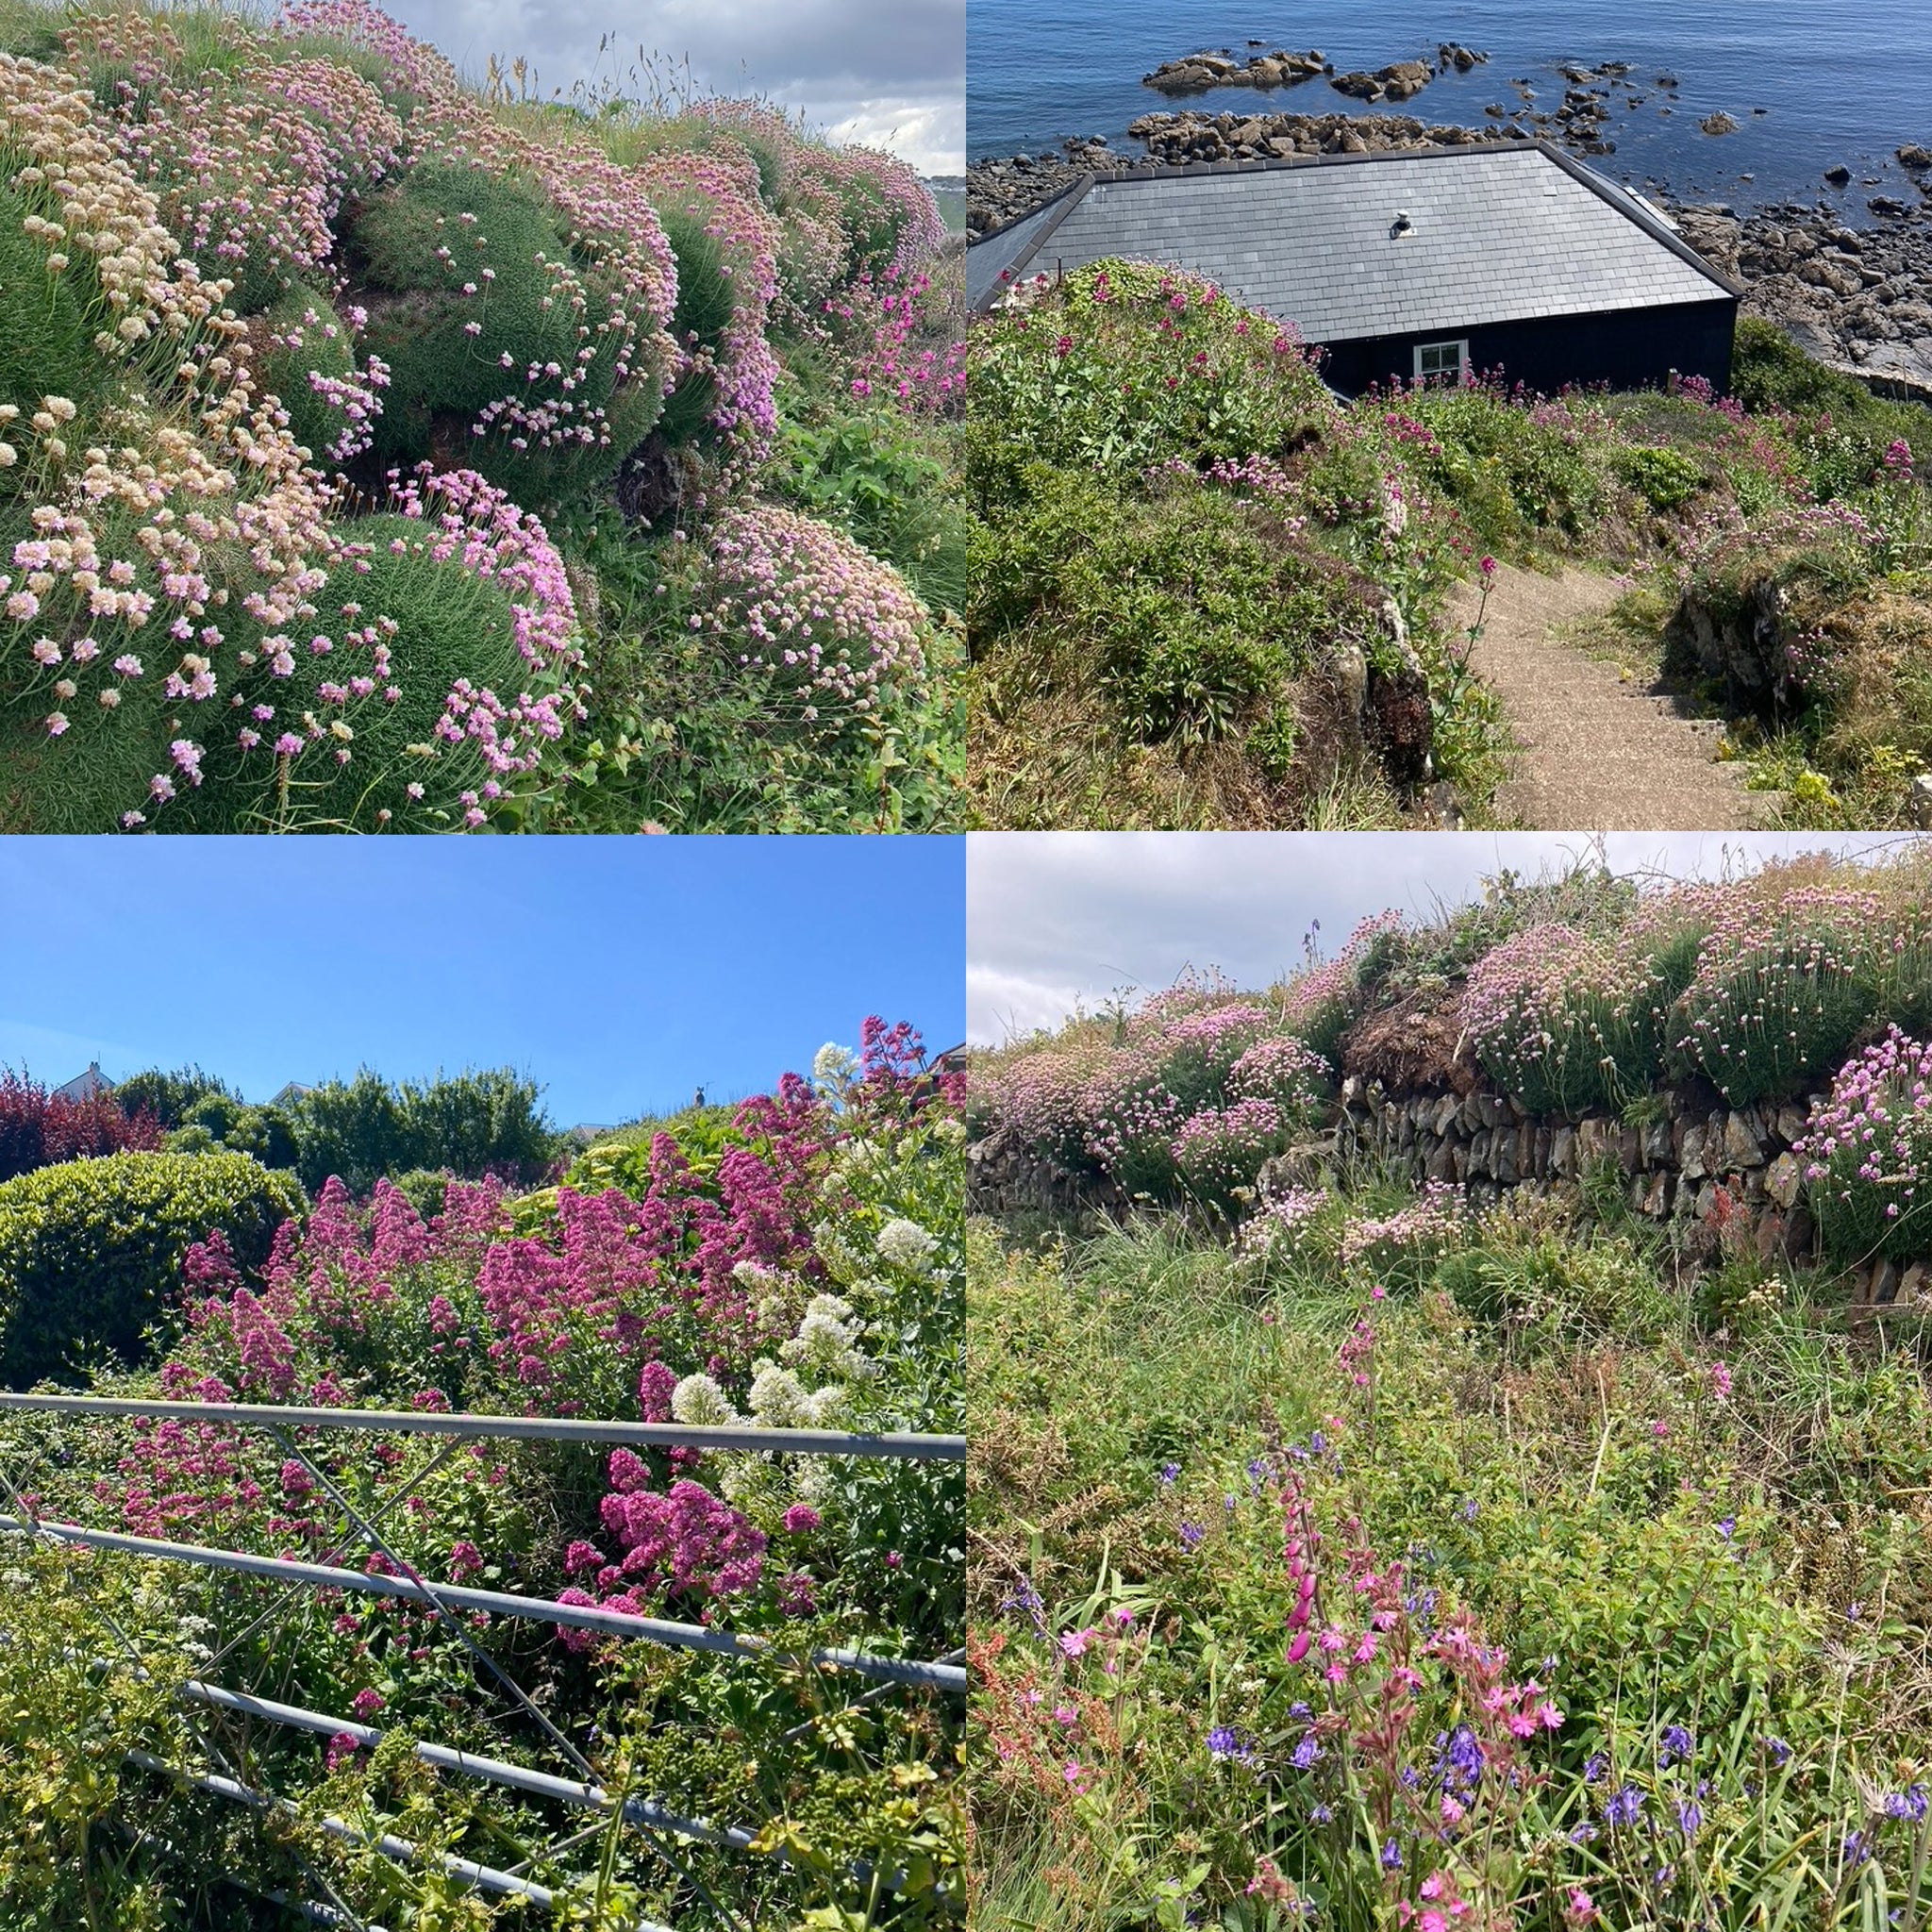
(1499, 234)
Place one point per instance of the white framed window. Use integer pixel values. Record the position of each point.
(1442, 361)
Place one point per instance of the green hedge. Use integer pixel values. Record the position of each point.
(90, 1249)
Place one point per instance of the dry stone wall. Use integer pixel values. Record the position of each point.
(1671, 1167)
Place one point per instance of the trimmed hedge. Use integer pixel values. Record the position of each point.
(90, 1249)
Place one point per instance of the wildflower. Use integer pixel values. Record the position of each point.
(1624, 1805)
(1224, 1743)
(1674, 1744)
(905, 1243)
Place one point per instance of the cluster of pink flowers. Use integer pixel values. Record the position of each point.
(840, 632)
(1219, 1150)
(1779, 988)
(911, 349)
(252, 168)
(1868, 1153)
(681, 1542)
(712, 188)
(1282, 1068)
(1432, 1223)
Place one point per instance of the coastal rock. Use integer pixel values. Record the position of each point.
(1917, 159)
(1399, 81)
(1837, 175)
(1196, 72)
(1719, 123)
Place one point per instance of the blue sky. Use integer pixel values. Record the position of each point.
(620, 973)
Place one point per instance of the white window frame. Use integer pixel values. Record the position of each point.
(1459, 344)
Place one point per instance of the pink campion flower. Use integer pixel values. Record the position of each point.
(1721, 1380)
(1075, 1643)
(1488, 567)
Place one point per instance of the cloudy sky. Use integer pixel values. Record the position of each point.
(1063, 918)
(884, 72)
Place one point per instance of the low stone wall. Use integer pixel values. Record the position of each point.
(1670, 1168)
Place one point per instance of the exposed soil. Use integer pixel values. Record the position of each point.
(1598, 753)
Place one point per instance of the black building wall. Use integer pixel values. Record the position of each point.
(1632, 348)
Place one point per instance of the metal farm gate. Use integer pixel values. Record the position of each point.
(573, 1782)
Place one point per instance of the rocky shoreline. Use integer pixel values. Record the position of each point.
(1858, 300)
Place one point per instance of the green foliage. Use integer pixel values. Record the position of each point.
(1665, 478)
(169, 1096)
(46, 339)
(706, 305)
(442, 376)
(90, 1249)
(469, 1124)
(875, 476)
(1195, 613)
(307, 336)
(683, 740)
(1548, 1447)
(1096, 385)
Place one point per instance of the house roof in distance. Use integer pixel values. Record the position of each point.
(85, 1085)
(1494, 233)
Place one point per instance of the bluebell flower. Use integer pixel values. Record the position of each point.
(1318, 1443)
(1624, 1805)
(1191, 1533)
(1307, 1751)
(1170, 1471)
(1689, 1816)
(1727, 1528)
(1468, 1510)
(1582, 1834)
(1391, 1856)
(1910, 1803)
(1593, 1767)
(1780, 1751)
(1673, 1741)
(1461, 1762)
(1321, 1814)
(1300, 1711)
(1225, 1742)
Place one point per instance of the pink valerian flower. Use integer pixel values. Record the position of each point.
(681, 1542)
(365, 1704)
(341, 1749)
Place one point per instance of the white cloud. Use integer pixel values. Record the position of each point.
(1059, 919)
(893, 71)
(1003, 1005)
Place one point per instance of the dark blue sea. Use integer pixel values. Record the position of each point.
(1840, 83)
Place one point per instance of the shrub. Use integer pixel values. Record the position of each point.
(169, 1096)
(90, 1249)
(39, 1128)
(1665, 478)
(1867, 1155)
(470, 1124)
(1135, 366)
(310, 368)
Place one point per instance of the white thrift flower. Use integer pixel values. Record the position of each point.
(699, 1402)
(906, 1243)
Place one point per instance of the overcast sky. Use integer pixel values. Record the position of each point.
(1055, 918)
(885, 73)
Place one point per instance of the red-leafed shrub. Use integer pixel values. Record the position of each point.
(37, 1128)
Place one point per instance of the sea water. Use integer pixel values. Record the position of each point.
(1838, 83)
